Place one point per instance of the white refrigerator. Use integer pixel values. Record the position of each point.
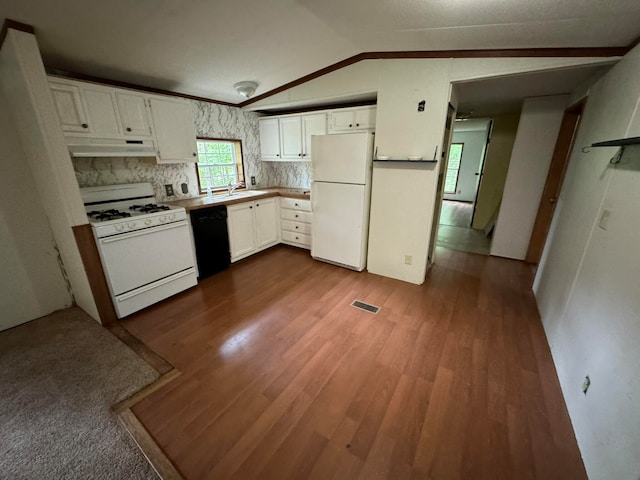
(340, 198)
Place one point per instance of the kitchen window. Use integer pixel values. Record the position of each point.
(453, 167)
(219, 163)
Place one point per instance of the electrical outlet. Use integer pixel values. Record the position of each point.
(168, 190)
(407, 259)
(185, 188)
(586, 384)
(253, 180)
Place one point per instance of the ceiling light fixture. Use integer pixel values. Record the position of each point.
(246, 89)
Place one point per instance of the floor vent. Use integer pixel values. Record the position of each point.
(365, 306)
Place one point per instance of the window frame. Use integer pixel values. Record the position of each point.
(239, 164)
(455, 187)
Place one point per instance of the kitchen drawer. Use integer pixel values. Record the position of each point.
(295, 204)
(295, 215)
(300, 238)
(296, 227)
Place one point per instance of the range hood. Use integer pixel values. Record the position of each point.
(101, 147)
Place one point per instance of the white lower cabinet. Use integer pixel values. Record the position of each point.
(295, 221)
(253, 226)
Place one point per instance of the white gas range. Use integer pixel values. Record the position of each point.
(146, 249)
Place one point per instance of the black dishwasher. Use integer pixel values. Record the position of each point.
(211, 239)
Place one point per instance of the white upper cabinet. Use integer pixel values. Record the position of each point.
(269, 139)
(288, 138)
(175, 130)
(313, 124)
(352, 119)
(89, 112)
(133, 114)
(291, 138)
(102, 112)
(69, 108)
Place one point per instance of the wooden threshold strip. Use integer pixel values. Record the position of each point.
(158, 363)
(149, 448)
(147, 445)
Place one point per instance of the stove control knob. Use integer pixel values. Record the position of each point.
(131, 225)
(163, 218)
(147, 222)
(172, 216)
(119, 228)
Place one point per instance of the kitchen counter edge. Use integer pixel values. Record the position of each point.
(203, 201)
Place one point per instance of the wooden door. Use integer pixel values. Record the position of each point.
(555, 176)
(481, 172)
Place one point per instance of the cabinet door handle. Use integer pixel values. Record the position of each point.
(257, 204)
(299, 154)
(128, 129)
(85, 125)
(296, 204)
(195, 154)
(357, 124)
(350, 125)
(277, 154)
(296, 227)
(250, 206)
(296, 238)
(296, 216)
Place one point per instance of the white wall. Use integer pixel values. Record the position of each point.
(403, 195)
(537, 133)
(31, 282)
(24, 83)
(474, 142)
(587, 281)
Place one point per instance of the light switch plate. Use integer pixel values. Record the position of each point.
(604, 218)
(168, 190)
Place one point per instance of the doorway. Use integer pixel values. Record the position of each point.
(462, 180)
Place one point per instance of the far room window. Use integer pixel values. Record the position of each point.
(219, 163)
(453, 168)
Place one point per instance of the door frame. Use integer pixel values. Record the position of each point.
(555, 176)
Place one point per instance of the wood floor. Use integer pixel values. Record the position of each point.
(282, 378)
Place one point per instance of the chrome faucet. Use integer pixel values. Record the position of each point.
(232, 187)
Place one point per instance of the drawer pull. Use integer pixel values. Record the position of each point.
(296, 227)
(296, 215)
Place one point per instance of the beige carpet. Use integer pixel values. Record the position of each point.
(59, 376)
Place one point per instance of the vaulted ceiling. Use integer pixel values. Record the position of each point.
(203, 47)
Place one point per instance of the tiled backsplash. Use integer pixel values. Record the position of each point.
(213, 121)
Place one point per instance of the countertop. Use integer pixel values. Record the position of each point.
(241, 196)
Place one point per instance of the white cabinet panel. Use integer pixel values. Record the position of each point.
(312, 125)
(240, 221)
(266, 222)
(175, 130)
(352, 119)
(68, 103)
(253, 226)
(102, 112)
(291, 138)
(269, 139)
(133, 113)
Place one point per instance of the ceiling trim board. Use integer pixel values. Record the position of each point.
(362, 103)
(489, 53)
(8, 23)
(117, 83)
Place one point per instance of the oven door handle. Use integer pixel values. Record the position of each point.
(151, 286)
(146, 231)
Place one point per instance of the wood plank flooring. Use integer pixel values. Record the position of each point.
(282, 378)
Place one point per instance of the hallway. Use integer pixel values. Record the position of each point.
(454, 230)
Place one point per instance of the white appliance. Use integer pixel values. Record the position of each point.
(340, 198)
(145, 248)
